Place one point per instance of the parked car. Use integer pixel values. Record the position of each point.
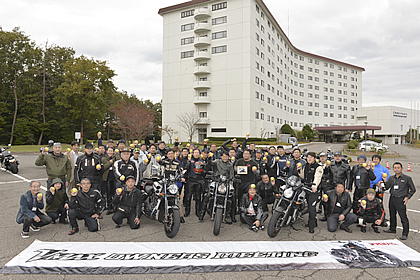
(371, 146)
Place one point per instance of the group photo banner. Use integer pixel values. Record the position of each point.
(198, 257)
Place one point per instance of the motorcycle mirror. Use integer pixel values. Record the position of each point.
(237, 176)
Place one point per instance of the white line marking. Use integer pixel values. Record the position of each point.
(415, 268)
(413, 230)
(416, 211)
(22, 178)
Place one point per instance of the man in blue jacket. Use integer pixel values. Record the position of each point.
(378, 170)
(30, 213)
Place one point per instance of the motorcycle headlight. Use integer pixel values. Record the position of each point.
(222, 189)
(173, 189)
(288, 193)
(223, 178)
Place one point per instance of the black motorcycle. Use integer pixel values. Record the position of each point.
(8, 161)
(160, 202)
(289, 206)
(221, 192)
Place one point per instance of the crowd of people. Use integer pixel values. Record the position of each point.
(82, 186)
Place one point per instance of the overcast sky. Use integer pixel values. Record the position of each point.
(380, 35)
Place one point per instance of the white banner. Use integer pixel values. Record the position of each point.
(187, 257)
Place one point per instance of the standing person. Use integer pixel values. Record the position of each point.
(162, 149)
(108, 179)
(401, 188)
(195, 183)
(89, 165)
(378, 170)
(291, 167)
(136, 156)
(30, 214)
(126, 167)
(340, 172)
(311, 174)
(57, 202)
(262, 164)
(251, 147)
(217, 153)
(251, 209)
(143, 151)
(101, 150)
(86, 204)
(57, 165)
(362, 174)
(73, 155)
(272, 162)
(267, 190)
(243, 168)
(235, 146)
(338, 204)
(326, 181)
(281, 163)
(370, 210)
(128, 203)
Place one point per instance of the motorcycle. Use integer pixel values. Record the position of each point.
(221, 192)
(289, 205)
(160, 202)
(8, 161)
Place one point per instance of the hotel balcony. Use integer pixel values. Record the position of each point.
(202, 27)
(198, 70)
(202, 13)
(201, 84)
(202, 99)
(204, 121)
(201, 55)
(202, 41)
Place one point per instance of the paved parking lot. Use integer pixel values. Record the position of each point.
(11, 187)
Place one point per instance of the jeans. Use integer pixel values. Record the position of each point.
(61, 213)
(332, 221)
(28, 221)
(119, 216)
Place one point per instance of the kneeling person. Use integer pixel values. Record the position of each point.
(251, 209)
(370, 210)
(128, 204)
(338, 205)
(57, 202)
(86, 204)
(30, 213)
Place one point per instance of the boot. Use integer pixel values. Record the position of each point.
(187, 211)
(197, 208)
(201, 216)
(375, 229)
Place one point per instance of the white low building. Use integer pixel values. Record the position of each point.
(394, 121)
(231, 64)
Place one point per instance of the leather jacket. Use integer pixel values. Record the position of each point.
(333, 198)
(341, 174)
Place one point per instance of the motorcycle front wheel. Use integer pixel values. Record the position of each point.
(14, 168)
(218, 221)
(173, 223)
(275, 224)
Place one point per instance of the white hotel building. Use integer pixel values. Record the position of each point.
(231, 64)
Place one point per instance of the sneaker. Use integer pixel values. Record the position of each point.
(253, 228)
(403, 237)
(118, 226)
(34, 228)
(24, 234)
(64, 222)
(346, 229)
(363, 229)
(324, 219)
(73, 231)
(390, 231)
(261, 227)
(376, 229)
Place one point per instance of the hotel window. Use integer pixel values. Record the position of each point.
(331, 66)
(332, 115)
(316, 70)
(326, 106)
(331, 74)
(325, 64)
(185, 41)
(257, 22)
(317, 105)
(187, 13)
(262, 116)
(257, 37)
(218, 35)
(257, 51)
(301, 58)
(331, 90)
(301, 112)
(257, 80)
(309, 113)
(262, 15)
(331, 98)
(257, 65)
(325, 114)
(325, 72)
(326, 81)
(187, 54)
(301, 103)
(301, 67)
(203, 114)
(257, 95)
(186, 27)
(301, 94)
(262, 42)
(309, 69)
(345, 108)
(219, 49)
(203, 94)
(316, 62)
(309, 104)
(219, 6)
(257, 8)
(317, 114)
(316, 79)
(257, 115)
(262, 97)
(331, 106)
(262, 28)
(316, 87)
(310, 95)
(219, 20)
(309, 78)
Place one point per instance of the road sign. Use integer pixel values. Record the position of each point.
(77, 135)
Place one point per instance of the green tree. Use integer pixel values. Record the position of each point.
(86, 88)
(19, 59)
(286, 129)
(308, 133)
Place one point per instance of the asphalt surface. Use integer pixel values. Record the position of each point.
(11, 243)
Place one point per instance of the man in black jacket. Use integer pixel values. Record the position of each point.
(401, 188)
(195, 183)
(128, 204)
(89, 165)
(338, 204)
(126, 167)
(340, 172)
(361, 175)
(235, 146)
(162, 149)
(251, 209)
(370, 210)
(86, 204)
(267, 189)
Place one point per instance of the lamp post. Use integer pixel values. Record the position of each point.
(366, 130)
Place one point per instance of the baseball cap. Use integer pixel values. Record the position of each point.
(89, 146)
(338, 153)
